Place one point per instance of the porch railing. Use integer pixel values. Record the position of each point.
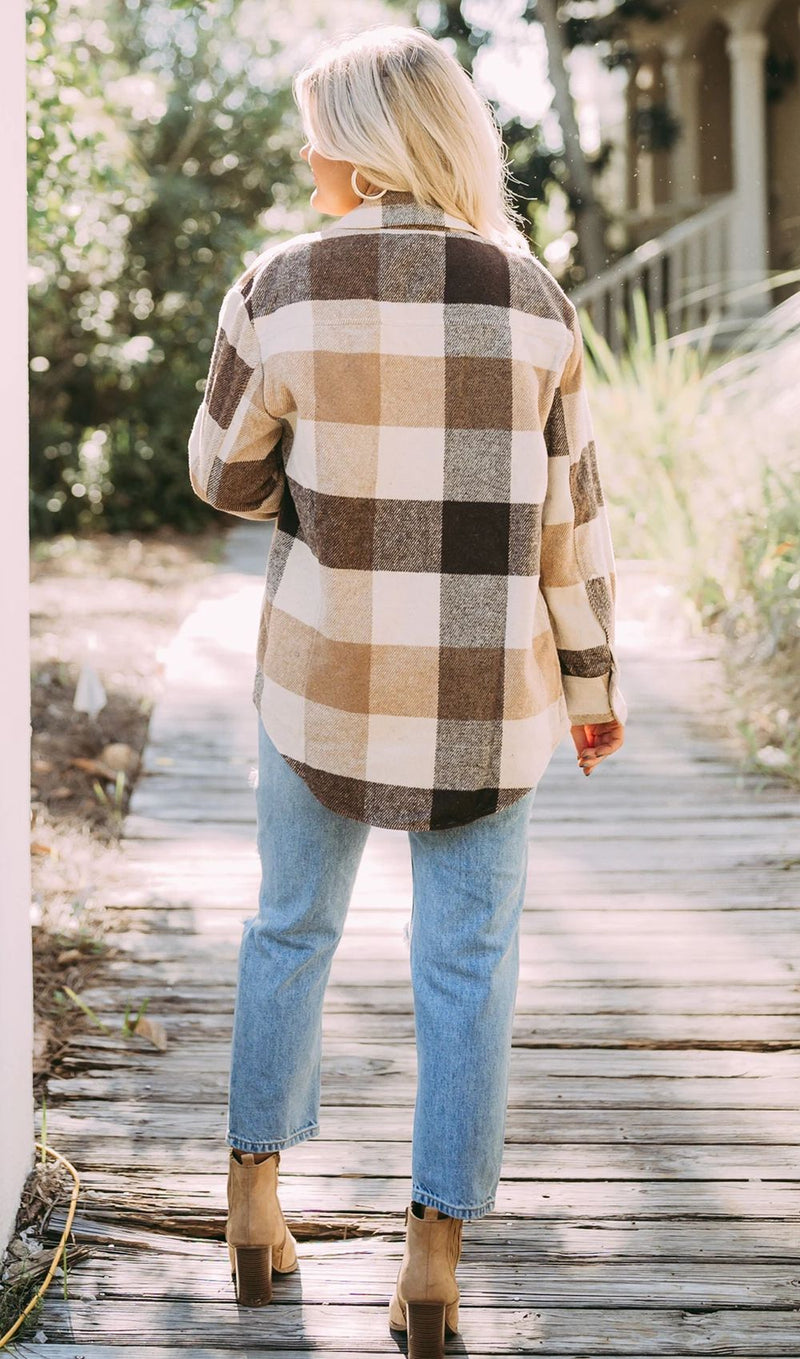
(685, 272)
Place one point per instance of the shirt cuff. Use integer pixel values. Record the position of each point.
(594, 699)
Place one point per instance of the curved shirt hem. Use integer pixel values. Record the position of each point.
(447, 809)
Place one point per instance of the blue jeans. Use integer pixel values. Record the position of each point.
(468, 891)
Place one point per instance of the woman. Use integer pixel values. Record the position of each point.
(402, 392)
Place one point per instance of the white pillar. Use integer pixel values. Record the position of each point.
(750, 249)
(631, 150)
(645, 177)
(682, 75)
(16, 1003)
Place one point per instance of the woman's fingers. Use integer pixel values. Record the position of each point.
(587, 765)
(605, 743)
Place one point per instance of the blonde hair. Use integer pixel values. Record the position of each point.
(395, 103)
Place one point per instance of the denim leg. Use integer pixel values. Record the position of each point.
(469, 889)
(309, 860)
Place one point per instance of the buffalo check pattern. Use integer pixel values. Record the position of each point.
(406, 400)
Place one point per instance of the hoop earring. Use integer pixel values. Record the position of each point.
(365, 197)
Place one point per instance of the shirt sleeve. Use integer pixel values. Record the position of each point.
(578, 576)
(235, 461)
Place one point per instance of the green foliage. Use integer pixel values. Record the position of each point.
(128, 1027)
(83, 184)
(159, 136)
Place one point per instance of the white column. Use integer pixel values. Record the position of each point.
(750, 249)
(645, 178)
(631, 151)
(682, 75)
(16, 1004)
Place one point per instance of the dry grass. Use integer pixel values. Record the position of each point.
(700, 456)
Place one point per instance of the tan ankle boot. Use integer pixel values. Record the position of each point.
(426, 1295)
(256, 1231)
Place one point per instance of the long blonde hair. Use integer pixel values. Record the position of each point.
(395, 103)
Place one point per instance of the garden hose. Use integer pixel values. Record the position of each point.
(53, 1264)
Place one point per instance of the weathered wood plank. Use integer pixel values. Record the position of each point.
(337, 1272)
(607, 852)
(641, 916)
(553, 1125)
(175, 937)
(373, 1087)
(774, 881)
(30, 1350)
(601, 1001)
(352, 1021)
(495, 1239)
(360, 971)
(373, 904)
(534, 950)
(179, 884)
(496, 1330)
(180, 1196)
(529, 1063)
(532, 1160)
(111, 1351)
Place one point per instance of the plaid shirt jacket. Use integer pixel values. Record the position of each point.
(406, 399)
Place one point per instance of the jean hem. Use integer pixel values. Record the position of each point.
(451, 1209)
(277, 1144)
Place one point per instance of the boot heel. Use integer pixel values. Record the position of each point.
(253, 1275)
(425, 1330)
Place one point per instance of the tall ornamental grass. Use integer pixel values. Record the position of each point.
(700, 455)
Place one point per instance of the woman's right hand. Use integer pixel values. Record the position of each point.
(594, 741)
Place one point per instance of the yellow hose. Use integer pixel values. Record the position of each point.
(54, 1263)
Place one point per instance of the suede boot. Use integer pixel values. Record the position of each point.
(426, 1295)
(256, 1231)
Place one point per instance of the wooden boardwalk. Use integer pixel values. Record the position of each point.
(649, 1201)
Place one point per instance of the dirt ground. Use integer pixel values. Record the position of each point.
(104, 606)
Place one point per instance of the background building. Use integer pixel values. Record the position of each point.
(712, 156)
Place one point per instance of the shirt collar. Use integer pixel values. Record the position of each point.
(397, 208)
